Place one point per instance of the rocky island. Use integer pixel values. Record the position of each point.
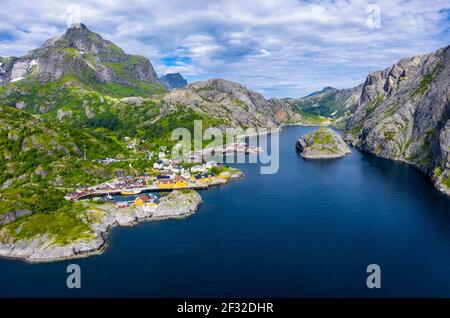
(323, 143)
(92, 239)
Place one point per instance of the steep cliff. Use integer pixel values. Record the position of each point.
(403, 114)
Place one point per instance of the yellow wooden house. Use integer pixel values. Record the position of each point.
(177, 182)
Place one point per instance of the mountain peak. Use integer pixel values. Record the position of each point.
(173, 80)
(77, 29)
(78, 26)
(78, 36)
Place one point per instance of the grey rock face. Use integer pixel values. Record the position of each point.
(173, 80)
(21, 105)
(12, 216)
(41, 171)
(178, 204)
(6, 66)
(403, 114)
(7, 183)
(230, 102)
(61, 114)
(323, 143)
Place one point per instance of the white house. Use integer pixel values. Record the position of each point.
(210, 164)
(158, 165)
(196, 169)
(177, 169)
(186, 175)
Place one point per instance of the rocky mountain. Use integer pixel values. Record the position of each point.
(232, 103)
(404, 114)
(80, 77)
(173, 81)
(333, 103)
(78, 58)
(82, 52)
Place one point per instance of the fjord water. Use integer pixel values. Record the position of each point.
(309, 230)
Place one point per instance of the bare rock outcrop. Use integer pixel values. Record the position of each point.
(323, 143)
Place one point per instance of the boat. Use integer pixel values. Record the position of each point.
(109, 197)
(122, 204)
(130, 192)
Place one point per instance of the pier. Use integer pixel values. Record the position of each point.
(153, 188)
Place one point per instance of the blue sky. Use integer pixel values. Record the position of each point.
(281, 48)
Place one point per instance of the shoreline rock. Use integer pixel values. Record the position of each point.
(176, 205)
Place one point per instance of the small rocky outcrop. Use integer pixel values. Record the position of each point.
(178, 204)
(12, 216)
(323, 143)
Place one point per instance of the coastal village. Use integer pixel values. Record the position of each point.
(165, 175)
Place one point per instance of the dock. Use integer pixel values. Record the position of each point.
(100, 193)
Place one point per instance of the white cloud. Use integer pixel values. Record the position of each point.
(278, 47)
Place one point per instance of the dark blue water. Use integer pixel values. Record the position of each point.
(309, 230)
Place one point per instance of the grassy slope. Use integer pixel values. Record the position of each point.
(323, 141)
(40, 139)
(30, 144)
(326, 105)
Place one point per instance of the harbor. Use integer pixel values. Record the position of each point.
(86, 194)
(167, 175)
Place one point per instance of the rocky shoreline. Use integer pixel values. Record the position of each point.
(102, 219)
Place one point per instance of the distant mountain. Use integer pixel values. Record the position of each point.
(336, 104)
(404, 114)
(324, 90)
(173, 80)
